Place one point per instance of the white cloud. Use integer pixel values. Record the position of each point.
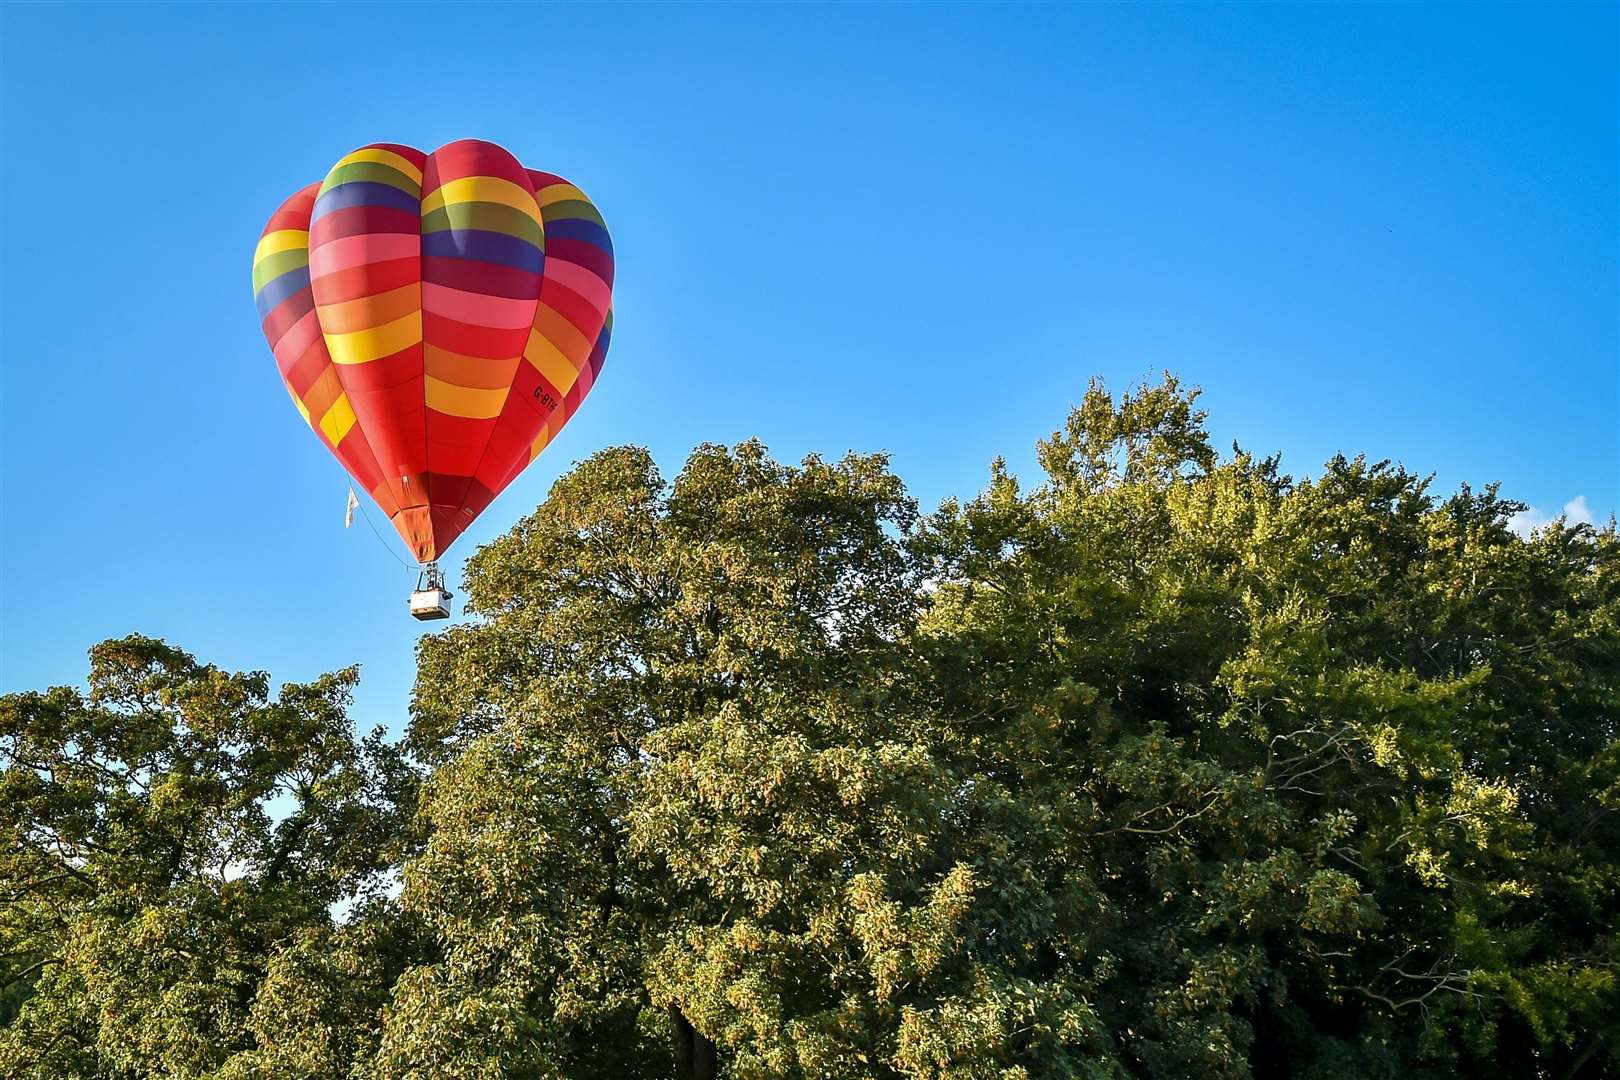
(1576, 511)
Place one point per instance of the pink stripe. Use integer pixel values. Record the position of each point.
(496, 312)
(347, 251)
(596, 292)
(297, 339)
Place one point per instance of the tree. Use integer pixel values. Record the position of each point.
(671, 788)
(175, 840)
(1169, 764)
(1334, 762)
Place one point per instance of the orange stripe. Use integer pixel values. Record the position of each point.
(369, 311)
(472, 371)
(563, 334)
(540, 441)
(322, 392)
(383, 496)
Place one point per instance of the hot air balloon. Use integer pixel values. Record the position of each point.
(437, 318)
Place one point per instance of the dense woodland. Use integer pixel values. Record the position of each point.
(1169, 765)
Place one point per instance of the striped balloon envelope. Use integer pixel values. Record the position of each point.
(437, 318)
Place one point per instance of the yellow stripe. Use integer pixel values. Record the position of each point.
(383, 157)
(280, 240)
(549, 361)
(303, 410)
(483, 189)
(464, 401)
(385, 340)
(557, 193)
(338, 419)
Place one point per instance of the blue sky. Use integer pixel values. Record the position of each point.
(1388, 229)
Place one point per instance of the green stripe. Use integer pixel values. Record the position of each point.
(376, 172)
(570, 209)
(489, 217)
(271, 267)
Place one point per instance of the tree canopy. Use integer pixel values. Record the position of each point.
(1169, 764)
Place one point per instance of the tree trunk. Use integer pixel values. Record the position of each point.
(694, 1051)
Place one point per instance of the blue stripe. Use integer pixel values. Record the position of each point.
(364, 193)
(579, 229)
(481, 246)
(278, 289)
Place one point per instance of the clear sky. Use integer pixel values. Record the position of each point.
(916, 228)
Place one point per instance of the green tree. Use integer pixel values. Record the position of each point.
(1334, 761)
(671, 793)
(1170, 764)
(1167, 765)
(174, 841)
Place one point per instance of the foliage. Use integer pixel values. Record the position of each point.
(1335, 758)
(156, 912)
(1168, 765)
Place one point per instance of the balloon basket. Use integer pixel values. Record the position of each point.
(430, 600)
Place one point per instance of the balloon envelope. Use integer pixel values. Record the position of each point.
(437, 318)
